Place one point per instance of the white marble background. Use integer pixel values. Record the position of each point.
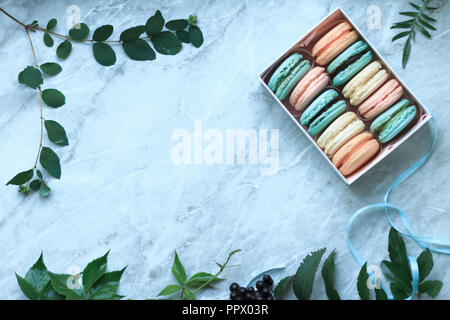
(120, 190)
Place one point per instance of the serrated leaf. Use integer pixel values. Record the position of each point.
(398, 274)
(35, 185)
(401, 35)
(103, 33)
(282, 286)
(56, 133)
(425, 263)
(361, 283)
(328, 270)
(53, 98)
(178, 270)
(93, 271)
(37, 276)
(139, 50)
(21, 178)
(31, 76)
(409, 13)
(105, 288)
(398, 291)
(201, 278)
(427, 17)
(79, 31)
(423, 30)
(397, 248)
(154, 24)
(60, 284)
(188, 294)
(430, 287)
(48, 40)
(104, 54)
(27, 288)
(271, 272)
(196, 36)
(166, 43)
(304, 277)
(44, 190)
(50, 161)
(51, 68)
(170, 289)
(132, 34)
(64, 49)
(176, 25)
(426, 24)
(52, 24)
(380, 294)
(183, 36)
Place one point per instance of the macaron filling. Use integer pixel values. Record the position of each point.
(325, 118)
(322, 103)
(351, 67)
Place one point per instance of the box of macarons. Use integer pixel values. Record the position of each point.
(344, 97)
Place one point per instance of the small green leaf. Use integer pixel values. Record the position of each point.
(53, 98)
(170, 289)
(104, 54)
(50, 68)
(139, 50)
(188, 294)
(328, 270)
(48, 40)
(427, 17)
(35, 184)
(154, 24)
(304, 277)
(401, 35)
(414, 6)
(105, 288)
(397, 251)
(27, 288)
(192, 20)
(425, 262)
(426, 24)
(361, 284)
(423, 30)
(39, 173)
(64, 49)
(399, 274)
(93, 271)
(183, 36)
(282, 286)
(431, 8)
(132, 34)
(56, 133)
(176, 25)
(380, 294)
(64, 285)
(38, 276)
(21, 178)
(430, 287)
(406, 52)
(31, 76)
(44, 190)
(52, 24)
(402, 25)
(103, 33)
(398, 291)
(409, 14)
(50, 162)
(178, 270)
(196, 36)
(166, 43)
(79, 31)
(201, 278)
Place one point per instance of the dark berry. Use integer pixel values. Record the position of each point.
(249, 296)
(268, 280)
(242, 291)
(233, 295)
(259, 298)
(265, 292)
(260, 285)
(234, 287)
(250, 289)
(270, 297)
(257, 294)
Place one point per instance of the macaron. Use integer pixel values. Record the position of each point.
(322, 111)
(333, 43)
(288, 74)
(355, 153)
(339, 132)
(366, 82)
(308, 87)
(382, 99)
(390, 123)
(349, 62)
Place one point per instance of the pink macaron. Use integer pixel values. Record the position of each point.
(380, 100)
(309, 87)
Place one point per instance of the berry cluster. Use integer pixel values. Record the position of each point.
(263, 290)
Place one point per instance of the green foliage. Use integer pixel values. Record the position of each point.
(103, 33)
(79, 31)
(139, 50)
(304, 277)
(50, 161)
(104, 54)
(51, 68)
(31, 77)
(56, 133)
(64, 49)
(328, 271)
(53, 98)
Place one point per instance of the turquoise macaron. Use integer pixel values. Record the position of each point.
(288, 74)
(327, 117)
(390, 123)
(349, 63)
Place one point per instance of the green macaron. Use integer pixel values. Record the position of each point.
(323, 120)
(288, 74)
(390, 123)
(317, 105)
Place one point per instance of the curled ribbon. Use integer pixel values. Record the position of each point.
(433, 244)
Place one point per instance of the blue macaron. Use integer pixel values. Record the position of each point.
(288, 74)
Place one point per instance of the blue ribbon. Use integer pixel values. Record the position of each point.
(433, 244)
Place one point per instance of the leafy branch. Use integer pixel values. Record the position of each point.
(419, 20)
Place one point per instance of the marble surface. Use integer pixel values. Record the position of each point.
(120, 189)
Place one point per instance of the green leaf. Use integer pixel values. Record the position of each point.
(44, 190)
(166, 43)
(399, 274)
(188, 294)
(60, 284)
(196, 36)
(176, 25)
(192, 20)
(170, 289)
(93, 271)
(31, 76)
(139, 50)
(403, 25)
(38, 276)
(27, 288)
(53, 98)
(380, 294)
(56, 133)
(397, 251)
(304, 277)
(282, 286)
(48, 40)
(427, 17)
(398, 291)
(132, 34)
(414, 6)
(201, 278)
(64, 49)
(52, 24)
(50, 162)
(35, 184)
(103, 33)
(425, 262)
(50, 68)
(423, 30)
(426, 24)
(21, 178)
(154, 24)
(430, 287)
(39, 173)
(178, 270)
(406, 53)
(361, 283)
(431, 8)
(105, 288)
(183, 36)
(104, 54)
(328, 270)
(401, 35)
(79, 31)
(409, 14)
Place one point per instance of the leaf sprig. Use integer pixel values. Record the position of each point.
(418, 20)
